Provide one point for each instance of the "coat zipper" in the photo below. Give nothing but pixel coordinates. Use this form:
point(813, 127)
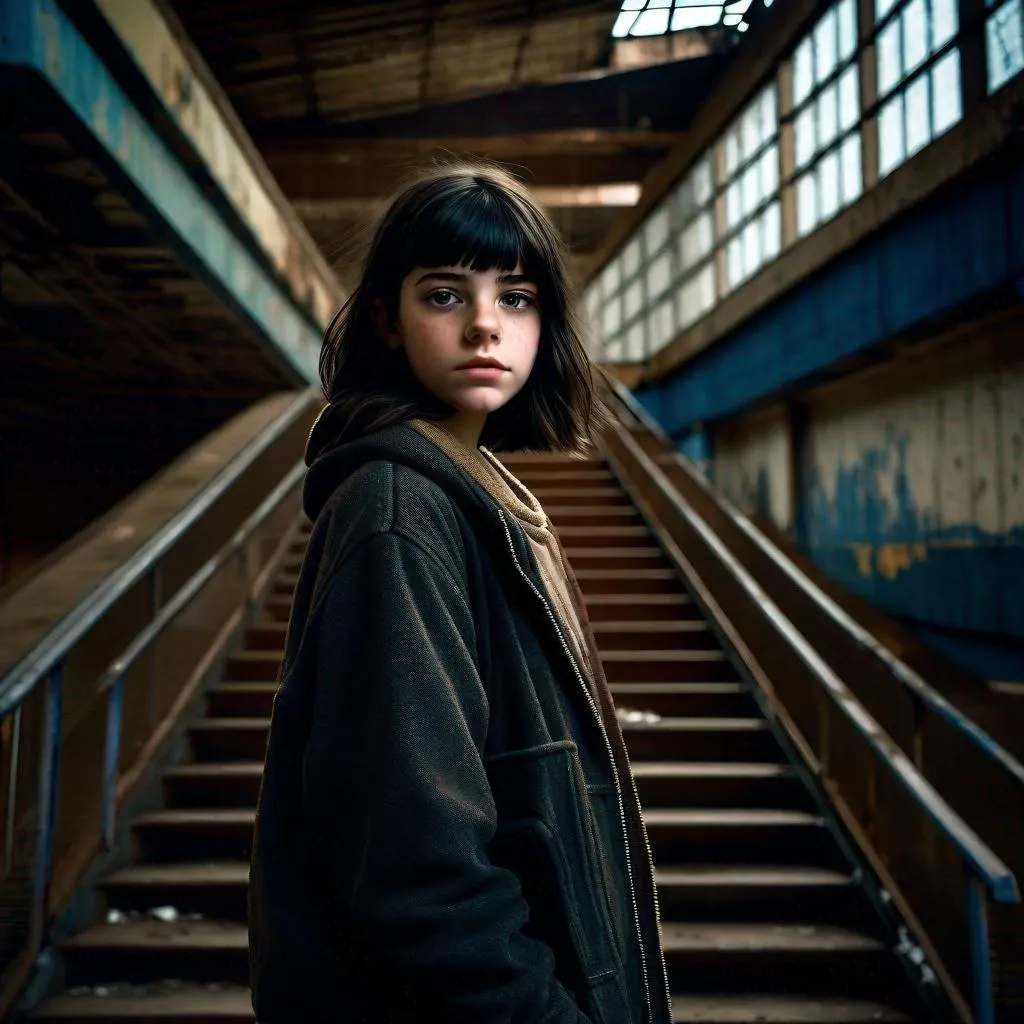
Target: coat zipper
point(615, 773)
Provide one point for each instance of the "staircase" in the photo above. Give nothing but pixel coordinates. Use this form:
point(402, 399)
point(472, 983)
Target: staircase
point(763, 919)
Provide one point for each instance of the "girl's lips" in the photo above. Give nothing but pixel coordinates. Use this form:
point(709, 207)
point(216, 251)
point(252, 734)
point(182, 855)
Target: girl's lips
point(483, 372)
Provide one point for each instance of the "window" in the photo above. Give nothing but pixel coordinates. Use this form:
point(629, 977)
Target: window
point(918, 76)
point(657, 17)
point(695, 244)
point(1004, 42)
point(748, 156)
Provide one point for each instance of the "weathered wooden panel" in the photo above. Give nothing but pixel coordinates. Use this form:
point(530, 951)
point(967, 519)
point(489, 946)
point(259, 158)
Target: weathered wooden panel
point(754, 464)
point(914, 492)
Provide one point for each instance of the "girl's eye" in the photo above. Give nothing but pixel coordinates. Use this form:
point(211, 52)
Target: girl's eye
point(519, 300)
point(442, 297)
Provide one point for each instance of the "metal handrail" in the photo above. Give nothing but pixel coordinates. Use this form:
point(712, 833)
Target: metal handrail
point(35, 666)
point(902, 672)
point(113, 678)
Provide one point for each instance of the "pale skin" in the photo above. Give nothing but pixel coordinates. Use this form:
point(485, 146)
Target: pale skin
point(448, 316)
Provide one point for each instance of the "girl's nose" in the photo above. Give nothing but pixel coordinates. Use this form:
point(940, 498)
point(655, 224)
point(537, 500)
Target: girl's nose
point(483, 323)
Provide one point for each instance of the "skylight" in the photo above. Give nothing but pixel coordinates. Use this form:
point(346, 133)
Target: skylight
point(657, 17)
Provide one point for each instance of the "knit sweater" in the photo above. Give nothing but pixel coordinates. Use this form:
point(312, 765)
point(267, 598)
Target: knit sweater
point(510, 492)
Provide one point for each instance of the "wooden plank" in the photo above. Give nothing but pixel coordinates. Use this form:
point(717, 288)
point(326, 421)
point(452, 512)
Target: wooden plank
point(667, 724)
point(151, 934)
point(726, 817)
point(198, 817)
point(214, 770)
point(718, 937)
point(710, 770)
point(212, 874)
point(746, 1008)
point(180, 1004)
point(718, 875)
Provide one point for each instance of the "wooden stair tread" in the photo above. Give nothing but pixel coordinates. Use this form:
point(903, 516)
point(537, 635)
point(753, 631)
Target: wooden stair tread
point(152, 934)
point(673, 724)
point(714, 875)
point(217, 724)
point(648, 656)
point(179, 1002)
point(641, 626)
point(730, 817)
point(710, 770)
point(727, 937)
point(216, 769)
point(649, 599)
point(754, 1008)
point(188, 817)
point(625, 574)
point(680, 689)
point(189, 873)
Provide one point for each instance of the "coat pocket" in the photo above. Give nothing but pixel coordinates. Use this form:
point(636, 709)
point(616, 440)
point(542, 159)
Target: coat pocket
point(546, 836)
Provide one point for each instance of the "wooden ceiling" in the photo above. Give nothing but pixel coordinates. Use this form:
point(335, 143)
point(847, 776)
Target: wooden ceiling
point(343, 99)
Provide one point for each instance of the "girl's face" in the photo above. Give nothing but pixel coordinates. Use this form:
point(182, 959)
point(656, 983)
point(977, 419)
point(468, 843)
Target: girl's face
point(470, 336)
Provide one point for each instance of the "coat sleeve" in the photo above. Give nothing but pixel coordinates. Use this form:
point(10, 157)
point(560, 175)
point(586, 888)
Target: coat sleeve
point(397, 797)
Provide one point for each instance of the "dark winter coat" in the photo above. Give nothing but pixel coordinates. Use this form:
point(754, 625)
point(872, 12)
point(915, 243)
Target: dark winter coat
point(447, 827)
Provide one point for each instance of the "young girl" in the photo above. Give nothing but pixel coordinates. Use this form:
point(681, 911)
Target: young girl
point(448, 829)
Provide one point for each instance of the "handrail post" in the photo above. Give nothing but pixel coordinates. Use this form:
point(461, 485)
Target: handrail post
point(12, 792)
point(111, 757)
point(49, 771)
point(981, 962)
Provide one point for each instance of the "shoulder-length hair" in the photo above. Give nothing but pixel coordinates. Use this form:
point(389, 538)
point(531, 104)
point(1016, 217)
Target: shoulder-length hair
point(480, 216)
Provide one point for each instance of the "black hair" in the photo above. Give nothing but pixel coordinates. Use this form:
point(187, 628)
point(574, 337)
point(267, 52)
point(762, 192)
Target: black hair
point(480, 216)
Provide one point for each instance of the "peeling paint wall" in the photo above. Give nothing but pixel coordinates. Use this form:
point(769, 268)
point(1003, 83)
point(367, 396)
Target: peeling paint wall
point(754, 464)
point(912, 485)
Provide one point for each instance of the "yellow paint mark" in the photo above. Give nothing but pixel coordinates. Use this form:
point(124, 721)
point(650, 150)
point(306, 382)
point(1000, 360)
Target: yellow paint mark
point(862, 556)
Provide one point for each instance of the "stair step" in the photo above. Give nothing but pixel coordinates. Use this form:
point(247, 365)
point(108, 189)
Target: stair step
point(710, 784)
point(240, 699)
point(148, 950)
point(722, 700)
point(739, 835)
point(213, 784)
point(229, 739)
point(253, 666)
point(701, 739)
point(191, 834)
point(761, 893)
point(558, 478)
point(172, 1002)
point(581, 515)
point(636, 634)
point(650, 557)
point(768, 956)
point(600, 536)
point(590, 497)
point(642, 607)
point(523, 464)
point(769, 1008)
point(266, 636)
point(628, 581)
point(213, 888)
point(704, 665)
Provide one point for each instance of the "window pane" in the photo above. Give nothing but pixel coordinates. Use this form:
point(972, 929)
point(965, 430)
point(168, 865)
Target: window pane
point(882, 7)
point(890, 135)
point(732, 151)
point(825, 53)
point(656, 230)
point(702, 184)
point(631, 258)
point(633, 300)
point(610, 278)
point(946, 102)
point(651, 23)
point(593, 302)
point(915, 35)
point(852, 171)
point(735, 262)
point(733, 205)
point(659, 274)
point(771, 231)
point(706, 287)
point(770, 171)
point(944, 22)
point(751, 188)
point(803, 72)
point(635, 342)
point(613, 351)
point(806, 203)
point(890, 66)
point(687, 308)
point(611, 317)
point(847, 17)
point(828, 186)
point(849, 98)
point(751, 247)
point(1005, 44)
point(828, 116)
point(919, 129)
point(706, 224)
point(751, 127)
point(769, 114)
point(805, 136)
